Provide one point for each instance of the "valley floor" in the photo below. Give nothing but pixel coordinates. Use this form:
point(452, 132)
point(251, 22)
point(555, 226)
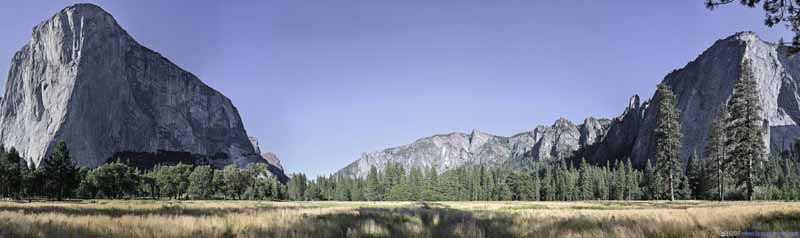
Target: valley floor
point(144, 218)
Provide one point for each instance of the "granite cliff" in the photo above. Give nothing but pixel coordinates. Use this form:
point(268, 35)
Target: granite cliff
point(83, 79)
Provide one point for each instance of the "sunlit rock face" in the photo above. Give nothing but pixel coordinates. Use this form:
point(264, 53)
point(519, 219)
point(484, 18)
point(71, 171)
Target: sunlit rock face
point(269, 157)
point(703, 87)
point(449, 151)
point(82, 79)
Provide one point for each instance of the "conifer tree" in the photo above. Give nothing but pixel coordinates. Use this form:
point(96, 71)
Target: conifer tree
point(696, 176)
point(717, 150)
point(631, 182)
point(648, 181)
point(584, 182)
point(487, 182)
point(431, 192)
point(745, 128)
point(373, 190)
point(668, 137)
point(536, 191)
point(684, 190)
point(12, 173)
point(62, 174)
point(619, 181)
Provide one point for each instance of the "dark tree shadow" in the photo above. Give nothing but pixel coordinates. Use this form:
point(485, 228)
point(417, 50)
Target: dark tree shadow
point(428, 220)
point(164, 210)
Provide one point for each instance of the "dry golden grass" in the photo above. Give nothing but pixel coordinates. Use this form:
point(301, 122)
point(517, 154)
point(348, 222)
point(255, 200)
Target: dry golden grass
point(103, 218)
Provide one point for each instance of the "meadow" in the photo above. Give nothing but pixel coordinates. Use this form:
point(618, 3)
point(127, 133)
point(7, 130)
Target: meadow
point(147, 218)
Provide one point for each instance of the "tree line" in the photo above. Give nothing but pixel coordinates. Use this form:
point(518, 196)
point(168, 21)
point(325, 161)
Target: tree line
point(778, 178)
point(58, 178)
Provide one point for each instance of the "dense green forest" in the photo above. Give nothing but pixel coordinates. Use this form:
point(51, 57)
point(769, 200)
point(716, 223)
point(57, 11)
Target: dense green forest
point(734, 165)
point(776, 178)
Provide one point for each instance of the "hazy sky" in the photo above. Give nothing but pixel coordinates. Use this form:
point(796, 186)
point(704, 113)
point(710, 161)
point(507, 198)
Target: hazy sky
point(320, 82)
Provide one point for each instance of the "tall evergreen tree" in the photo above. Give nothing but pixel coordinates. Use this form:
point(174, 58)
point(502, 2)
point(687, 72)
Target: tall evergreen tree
point(745, 128)
point(297, 187)
point(373, 190)
point(62, 174)
point(648, 181)
point(696, 175)
point(585, 190)
point(620, 181)
point(668, 137)
point(632, 182)
point(716, 151)
point(431, 190)
point(12, 173)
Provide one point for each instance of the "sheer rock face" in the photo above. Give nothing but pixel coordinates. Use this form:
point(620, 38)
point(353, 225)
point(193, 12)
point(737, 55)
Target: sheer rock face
point(454, 150)
point(703, 87)
point(272, 159)
point(81, 78)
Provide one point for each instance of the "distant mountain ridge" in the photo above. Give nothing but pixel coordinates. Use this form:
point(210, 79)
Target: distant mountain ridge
point(454, 150)
point(702, 88)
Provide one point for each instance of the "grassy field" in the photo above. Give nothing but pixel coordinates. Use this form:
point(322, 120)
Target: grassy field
point(141, 218)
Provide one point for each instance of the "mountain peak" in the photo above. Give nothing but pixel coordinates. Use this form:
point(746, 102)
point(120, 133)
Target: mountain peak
point(563, 122)
point(747, 37)
point(85, 7)
point(79, 16)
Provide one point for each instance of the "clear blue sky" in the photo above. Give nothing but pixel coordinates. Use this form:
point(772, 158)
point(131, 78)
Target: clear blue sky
point(320, 82)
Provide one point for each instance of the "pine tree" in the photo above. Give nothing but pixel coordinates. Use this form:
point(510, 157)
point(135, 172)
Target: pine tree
point(745, 128)
point(504, 192)
point(601, 183)
point(12, 168)
point(684, 189)
point(619, 181)
point(431, 189)
point(416, 184)
point(668, 137)
point(649, 183)
point(696, 176)
point(313, 193)
point(716, 150)
point(631, 182)
point(536, 184)
point(548, 187)
point(373, 190)
point(62, 174)
point(297, 187)
point(487, 182)
point(584, 182)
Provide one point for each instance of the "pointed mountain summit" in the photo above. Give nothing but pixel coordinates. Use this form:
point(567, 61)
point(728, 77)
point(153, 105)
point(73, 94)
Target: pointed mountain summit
point(702, 89)
point(705, 85)
point(82, 79)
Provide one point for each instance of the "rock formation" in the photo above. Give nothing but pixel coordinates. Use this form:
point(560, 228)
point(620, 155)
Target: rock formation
point(705, 85)
point(269, 157)
point(458, 149)
point(702, 88)
point(82, 79)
